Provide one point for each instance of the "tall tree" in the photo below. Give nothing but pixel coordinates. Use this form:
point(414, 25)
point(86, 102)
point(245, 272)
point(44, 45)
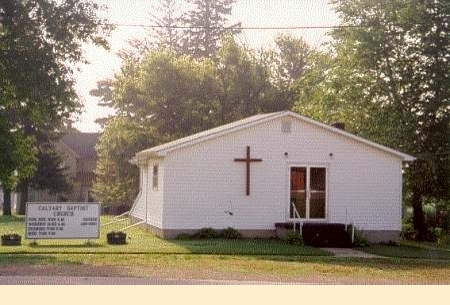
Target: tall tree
point(293, 58)
point(40, 41)
point(178, 92)
point(244, 78)
point(168, 19)
point(117, 181)
point(206, 23)
point(290, 60)
point(165, 96)
point(392, 65)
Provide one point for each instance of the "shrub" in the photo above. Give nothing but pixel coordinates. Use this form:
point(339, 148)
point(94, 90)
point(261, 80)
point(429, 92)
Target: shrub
point(230, 233)
point(442, 240)
point(360, 240)
point(183, 236)
point(206, 233)
point(294, 238)
point(439, 236)
point(408, 231)
point(436, 213)
point(390, 243)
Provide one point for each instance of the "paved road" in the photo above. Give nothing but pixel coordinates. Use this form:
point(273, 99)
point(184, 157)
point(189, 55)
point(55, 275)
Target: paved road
point(72, 280)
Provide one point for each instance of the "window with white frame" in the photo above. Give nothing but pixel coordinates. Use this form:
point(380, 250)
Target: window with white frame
point(155, 177)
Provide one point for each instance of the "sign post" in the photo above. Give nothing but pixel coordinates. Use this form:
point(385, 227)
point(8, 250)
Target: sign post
point(65, 220)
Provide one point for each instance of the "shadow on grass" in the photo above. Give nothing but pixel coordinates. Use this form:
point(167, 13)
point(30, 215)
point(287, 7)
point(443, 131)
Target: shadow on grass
point(61, 246)
point(409, 251)
point(33, 259)
point(11, 218)
point(246, 247)
point(386, 263)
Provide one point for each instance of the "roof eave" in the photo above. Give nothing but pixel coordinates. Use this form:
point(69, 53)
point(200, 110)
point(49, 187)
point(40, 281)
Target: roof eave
point(403, 156)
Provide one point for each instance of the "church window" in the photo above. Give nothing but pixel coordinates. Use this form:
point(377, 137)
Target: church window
point(155, 177)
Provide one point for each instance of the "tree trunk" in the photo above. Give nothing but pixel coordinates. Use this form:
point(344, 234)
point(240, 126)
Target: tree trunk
point(22, 188)
point(418, 216)
point(6, 202)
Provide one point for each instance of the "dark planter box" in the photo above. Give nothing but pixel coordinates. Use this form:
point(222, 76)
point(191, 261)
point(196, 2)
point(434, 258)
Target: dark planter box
point(116, 238)
point(11, 240)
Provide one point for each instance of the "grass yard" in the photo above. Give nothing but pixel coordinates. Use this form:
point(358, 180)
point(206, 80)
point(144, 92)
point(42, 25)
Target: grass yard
point(139, 241)
point(411, 249)
point(306, 269)
point(249, 259)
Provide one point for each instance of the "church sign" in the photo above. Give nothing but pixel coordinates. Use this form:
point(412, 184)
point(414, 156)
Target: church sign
point(53, 220)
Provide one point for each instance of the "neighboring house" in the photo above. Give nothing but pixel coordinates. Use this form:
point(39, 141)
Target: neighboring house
point(80, 159)
point(250, 174)
point(13, 199)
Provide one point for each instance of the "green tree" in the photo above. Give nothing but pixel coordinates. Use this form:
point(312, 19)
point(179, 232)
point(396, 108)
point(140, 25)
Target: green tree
point(207, 23)
point(293, 59)
point(117, 180)
point(332, 90)
point(173, 93)
point(290, 60)
point(390, 70)
point(244, 78)
point(18, 160)
point(165, 96)
point(40, 41)
point(167, 34)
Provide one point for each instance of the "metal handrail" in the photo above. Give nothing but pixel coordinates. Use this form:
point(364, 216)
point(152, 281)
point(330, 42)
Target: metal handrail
point(296, 215)
point(116, 219)
point(138, 197)
point(347, 222)
point(133, 225)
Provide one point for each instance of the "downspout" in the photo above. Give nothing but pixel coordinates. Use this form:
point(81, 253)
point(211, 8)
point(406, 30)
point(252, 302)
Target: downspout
point(146, 193)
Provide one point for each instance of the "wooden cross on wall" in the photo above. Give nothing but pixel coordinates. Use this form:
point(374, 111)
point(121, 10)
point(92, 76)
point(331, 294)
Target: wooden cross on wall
point(247, 160)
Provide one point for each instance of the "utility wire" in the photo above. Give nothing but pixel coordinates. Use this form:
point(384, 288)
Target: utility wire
point(307, 27)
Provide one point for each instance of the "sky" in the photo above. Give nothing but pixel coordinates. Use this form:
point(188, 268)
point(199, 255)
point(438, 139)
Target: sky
point(252, 13)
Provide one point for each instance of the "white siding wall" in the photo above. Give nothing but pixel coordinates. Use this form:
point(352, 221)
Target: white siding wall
point(150, 200)
point(155, 197)
point(138, 209)
point(202, 182)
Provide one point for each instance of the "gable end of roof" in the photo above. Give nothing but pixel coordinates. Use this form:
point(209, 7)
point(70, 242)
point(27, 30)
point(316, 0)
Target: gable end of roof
point(161, 150)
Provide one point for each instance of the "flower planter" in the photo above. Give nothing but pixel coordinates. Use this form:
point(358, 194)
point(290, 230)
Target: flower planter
point(11, 240)
point(116, 238)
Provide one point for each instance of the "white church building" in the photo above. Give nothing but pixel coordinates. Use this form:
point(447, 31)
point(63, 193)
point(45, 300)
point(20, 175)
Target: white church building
point(267, 169)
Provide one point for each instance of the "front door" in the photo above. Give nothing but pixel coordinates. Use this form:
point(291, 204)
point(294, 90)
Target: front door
point(307, 192)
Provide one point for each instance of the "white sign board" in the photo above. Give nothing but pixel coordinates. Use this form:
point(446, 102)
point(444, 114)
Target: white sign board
point(54, 220)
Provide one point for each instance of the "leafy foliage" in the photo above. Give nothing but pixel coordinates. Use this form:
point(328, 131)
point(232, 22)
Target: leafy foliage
point(206, 24)
point(294, 238)
point(39, 43)
point(210, 233)
point(388, 79)
point(167, 34)
point(117, 180)
point(230, 233)
point(206, 233)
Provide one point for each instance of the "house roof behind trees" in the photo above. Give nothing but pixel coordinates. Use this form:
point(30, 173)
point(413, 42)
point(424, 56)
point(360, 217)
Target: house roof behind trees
point(82, 143)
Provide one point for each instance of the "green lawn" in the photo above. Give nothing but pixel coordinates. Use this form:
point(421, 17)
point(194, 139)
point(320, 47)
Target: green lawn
point(249, 259)
point(307, 269)
point(411, 249)
point(140, 241)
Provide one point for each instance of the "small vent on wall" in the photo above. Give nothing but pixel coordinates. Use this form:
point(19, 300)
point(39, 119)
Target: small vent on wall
point(286, 126)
